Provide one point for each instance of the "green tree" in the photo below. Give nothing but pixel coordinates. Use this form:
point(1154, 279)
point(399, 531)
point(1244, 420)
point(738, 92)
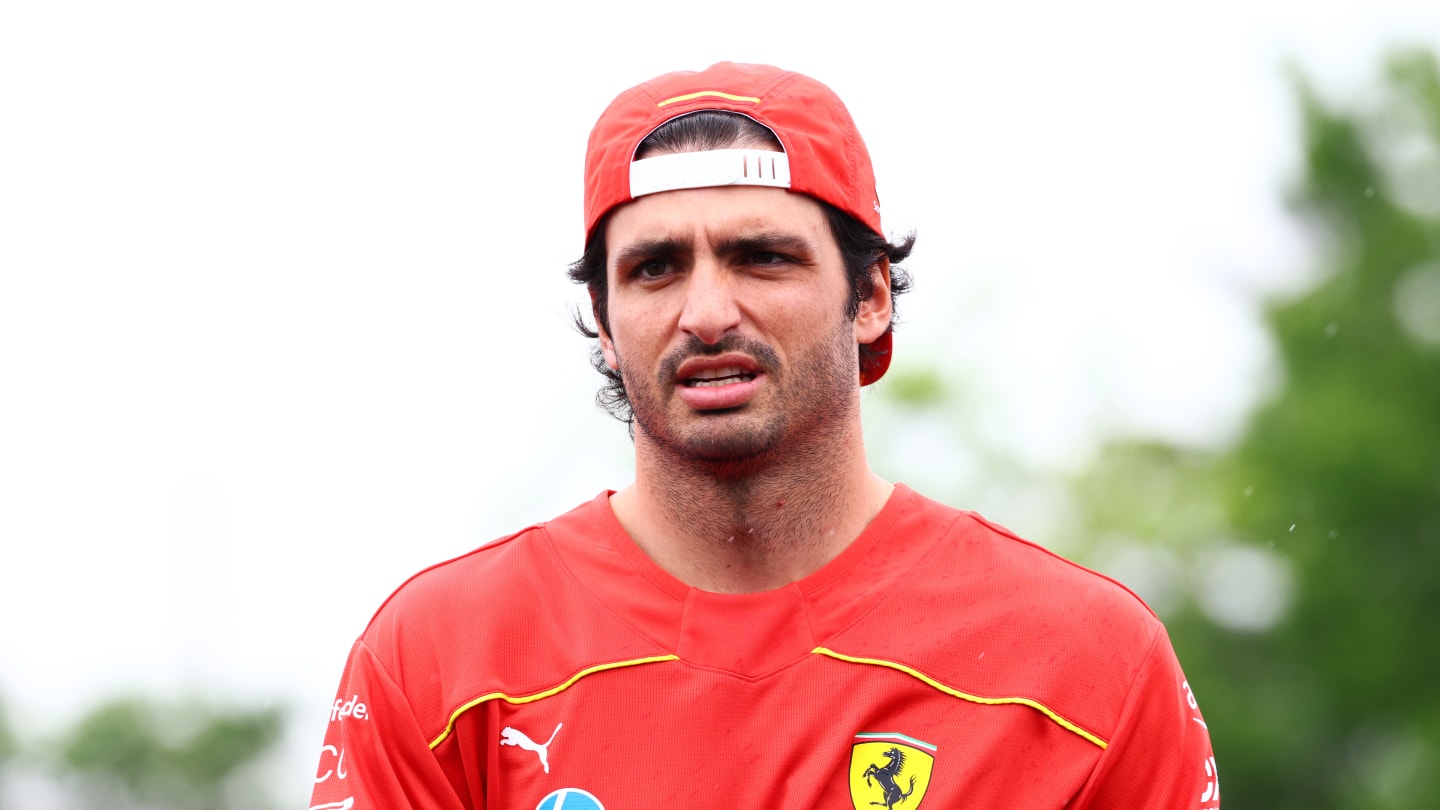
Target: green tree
point(138, 753)
point(1319, 691)
point(9, 747)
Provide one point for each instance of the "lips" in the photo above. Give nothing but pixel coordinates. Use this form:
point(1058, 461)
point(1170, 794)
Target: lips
point(716, 383)
point(705, 369)
point(710, 377)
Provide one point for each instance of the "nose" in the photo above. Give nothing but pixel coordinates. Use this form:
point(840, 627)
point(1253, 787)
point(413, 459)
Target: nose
point(711, 310)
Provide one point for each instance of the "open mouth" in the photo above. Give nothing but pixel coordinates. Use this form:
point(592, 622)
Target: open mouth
point(718, 376)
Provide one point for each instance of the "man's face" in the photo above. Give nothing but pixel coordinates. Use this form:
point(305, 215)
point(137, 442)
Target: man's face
point(727, 320)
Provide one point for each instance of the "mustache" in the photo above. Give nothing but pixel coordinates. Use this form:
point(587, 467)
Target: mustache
point(762, 354)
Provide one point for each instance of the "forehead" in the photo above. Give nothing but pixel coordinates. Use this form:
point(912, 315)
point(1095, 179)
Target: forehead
point(711, 213)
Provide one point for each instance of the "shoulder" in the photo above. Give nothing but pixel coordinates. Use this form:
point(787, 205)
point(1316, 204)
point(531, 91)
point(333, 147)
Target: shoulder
point(1000, 616)
point(511, 576)
point(1015, 584)
point(509, 616)
point(473, 600)
point(983, 569)
point(442, 589)
point(1054, 593)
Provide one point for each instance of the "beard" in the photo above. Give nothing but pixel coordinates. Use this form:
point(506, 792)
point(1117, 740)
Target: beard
point(794, 414)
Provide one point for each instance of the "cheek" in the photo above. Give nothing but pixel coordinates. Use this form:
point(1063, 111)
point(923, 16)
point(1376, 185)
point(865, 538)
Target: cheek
point(637, 320)
point(632, 338)
point(812, 317)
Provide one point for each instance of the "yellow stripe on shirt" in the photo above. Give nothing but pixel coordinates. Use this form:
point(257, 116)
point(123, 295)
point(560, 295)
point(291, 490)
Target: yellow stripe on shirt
point(986, 701)
point(455, 715)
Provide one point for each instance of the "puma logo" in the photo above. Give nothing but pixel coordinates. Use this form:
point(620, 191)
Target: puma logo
point(512, 736)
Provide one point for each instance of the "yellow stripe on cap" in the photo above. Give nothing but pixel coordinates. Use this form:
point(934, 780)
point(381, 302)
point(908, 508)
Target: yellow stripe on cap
point(984, 701)
point(703, 93)
point(455, 715)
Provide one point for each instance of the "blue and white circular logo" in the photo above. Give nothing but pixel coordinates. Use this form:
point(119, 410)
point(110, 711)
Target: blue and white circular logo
point(569, 799)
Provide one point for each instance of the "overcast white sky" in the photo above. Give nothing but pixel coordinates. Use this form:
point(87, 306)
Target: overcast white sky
point(283, 312)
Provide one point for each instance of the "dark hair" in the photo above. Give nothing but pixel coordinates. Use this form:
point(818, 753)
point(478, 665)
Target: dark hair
point(860, 247)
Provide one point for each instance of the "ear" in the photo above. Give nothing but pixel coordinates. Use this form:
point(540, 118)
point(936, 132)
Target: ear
point(873, 318)
point(607, 346)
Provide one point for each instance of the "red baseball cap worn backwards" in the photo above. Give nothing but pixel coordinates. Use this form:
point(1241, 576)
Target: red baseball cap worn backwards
point(824, 155)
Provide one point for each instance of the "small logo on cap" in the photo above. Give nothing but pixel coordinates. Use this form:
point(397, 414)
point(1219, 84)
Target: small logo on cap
point(708, 94)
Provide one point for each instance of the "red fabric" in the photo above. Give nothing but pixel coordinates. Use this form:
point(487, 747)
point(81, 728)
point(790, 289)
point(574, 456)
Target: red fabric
point(828, 159)
point(755, 700)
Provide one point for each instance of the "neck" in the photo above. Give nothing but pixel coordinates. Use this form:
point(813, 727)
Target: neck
point(751, 527)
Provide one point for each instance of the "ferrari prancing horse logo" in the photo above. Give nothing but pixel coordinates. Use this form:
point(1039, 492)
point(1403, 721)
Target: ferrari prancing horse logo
point(889, 770)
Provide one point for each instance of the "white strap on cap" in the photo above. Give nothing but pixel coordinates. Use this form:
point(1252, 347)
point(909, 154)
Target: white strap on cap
point(719, 167)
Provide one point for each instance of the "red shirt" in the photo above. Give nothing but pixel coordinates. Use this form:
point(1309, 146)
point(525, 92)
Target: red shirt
point(938, 662)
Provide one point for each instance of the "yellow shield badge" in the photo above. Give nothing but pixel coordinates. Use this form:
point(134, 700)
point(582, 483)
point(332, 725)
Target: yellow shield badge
point(889, 770)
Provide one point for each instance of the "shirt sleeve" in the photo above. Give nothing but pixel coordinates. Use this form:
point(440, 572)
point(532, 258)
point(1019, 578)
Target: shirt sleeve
point(375, 755)
point(1160, 755)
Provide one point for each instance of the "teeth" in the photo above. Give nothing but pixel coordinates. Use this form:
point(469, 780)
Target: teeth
point(716, 373)
point(714, 377)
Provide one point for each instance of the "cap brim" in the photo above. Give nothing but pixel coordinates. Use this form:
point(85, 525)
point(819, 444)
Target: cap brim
point(874, 363)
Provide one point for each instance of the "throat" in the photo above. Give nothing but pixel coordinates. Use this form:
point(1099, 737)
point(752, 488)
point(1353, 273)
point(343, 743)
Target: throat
point(750, 535)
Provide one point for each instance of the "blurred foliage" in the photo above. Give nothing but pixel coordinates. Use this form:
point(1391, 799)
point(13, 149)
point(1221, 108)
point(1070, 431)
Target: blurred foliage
point(915, 387)
point(168, 756)
point(136, 753)
point(9, 747)
point(8, 744)
point(1305, 575)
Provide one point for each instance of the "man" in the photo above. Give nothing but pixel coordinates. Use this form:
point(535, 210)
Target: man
point(758, 620)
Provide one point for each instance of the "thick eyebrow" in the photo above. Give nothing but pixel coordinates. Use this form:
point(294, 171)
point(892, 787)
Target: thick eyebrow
point(780, 242)
point(776, 242)
point(650, 248)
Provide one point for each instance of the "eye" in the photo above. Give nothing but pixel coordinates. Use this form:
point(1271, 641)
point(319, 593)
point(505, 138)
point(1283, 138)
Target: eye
point(767, 258)
point(651, 268)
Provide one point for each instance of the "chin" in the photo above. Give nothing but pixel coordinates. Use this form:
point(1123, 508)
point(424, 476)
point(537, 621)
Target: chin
point(718, 441)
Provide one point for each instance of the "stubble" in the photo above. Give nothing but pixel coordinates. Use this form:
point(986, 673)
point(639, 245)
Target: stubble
point(724, 474)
